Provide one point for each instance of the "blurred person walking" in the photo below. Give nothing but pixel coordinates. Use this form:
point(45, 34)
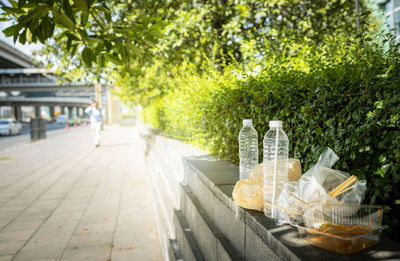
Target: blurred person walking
point(95, 121)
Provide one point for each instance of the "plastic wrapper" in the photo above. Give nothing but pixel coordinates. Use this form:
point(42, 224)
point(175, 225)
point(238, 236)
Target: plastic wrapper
point(248, 193)
point(343, 228)
point(313, 188)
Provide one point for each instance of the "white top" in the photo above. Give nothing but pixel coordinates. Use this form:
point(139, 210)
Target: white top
point(248, 122)
point(275, 124)
point(95, 114)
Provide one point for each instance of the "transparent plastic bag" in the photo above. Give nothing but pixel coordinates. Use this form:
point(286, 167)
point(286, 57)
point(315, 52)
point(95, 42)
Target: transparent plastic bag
point(314, 187)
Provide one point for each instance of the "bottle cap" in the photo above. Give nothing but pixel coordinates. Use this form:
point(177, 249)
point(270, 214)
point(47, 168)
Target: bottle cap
point(275, 124)
point(247, 122)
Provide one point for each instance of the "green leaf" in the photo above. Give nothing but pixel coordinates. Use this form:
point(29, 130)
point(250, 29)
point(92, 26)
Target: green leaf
point(48, 27)
point(15, 37)
point(45, 28)
point(133, 49)
point(9, 31)
point(82, 33)
point(21, 3)
point(157, 34)
point(68, 10)
point(13, 10)
point(37, 13)
point(108, 45)
point(29, 36)
point(99, 48)
point(22, 37)
point(380, 181)
point(73, 37)
point(82, 5)
point(74, 48)
point(114, 59)
point(94, 39)
point(52, 26)
point(63, 19)
point(88, 56)
point(124, 54)
point(39, 33)
point(101, 60)
point(84, 18)
point(69, 42)
point(149, 43)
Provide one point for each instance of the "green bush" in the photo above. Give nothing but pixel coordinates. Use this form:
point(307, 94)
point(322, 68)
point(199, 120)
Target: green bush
point(345, 96)
point(152, 114)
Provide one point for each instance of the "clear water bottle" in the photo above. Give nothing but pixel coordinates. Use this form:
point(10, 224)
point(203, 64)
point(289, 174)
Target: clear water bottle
point(275, 165)
point(248, 149)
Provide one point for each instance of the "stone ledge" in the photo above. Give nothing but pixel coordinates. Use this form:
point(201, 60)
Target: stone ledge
point(220, 177)
point(251, 235)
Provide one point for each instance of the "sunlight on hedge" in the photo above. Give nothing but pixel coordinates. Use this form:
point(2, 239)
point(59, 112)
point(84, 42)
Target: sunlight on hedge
point(344, 96)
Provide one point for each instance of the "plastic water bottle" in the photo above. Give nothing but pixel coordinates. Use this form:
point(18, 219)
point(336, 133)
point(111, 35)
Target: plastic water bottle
point(248, 149)
point(275, 165)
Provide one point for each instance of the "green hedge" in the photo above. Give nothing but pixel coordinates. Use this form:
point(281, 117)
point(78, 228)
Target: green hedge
point(345, 96)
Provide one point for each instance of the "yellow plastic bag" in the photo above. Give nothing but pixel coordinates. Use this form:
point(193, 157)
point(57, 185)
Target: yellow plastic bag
point(248, 193)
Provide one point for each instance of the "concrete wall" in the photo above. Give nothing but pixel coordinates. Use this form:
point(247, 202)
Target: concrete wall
point(197, 218)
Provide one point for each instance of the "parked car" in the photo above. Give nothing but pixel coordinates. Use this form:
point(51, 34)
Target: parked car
point(62, 119)
point(9, 127)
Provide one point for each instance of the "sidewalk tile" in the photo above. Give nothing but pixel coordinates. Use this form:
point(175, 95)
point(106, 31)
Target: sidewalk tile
point(10, 248)
point(94, 253)
point(6, 258)
point(10, 236)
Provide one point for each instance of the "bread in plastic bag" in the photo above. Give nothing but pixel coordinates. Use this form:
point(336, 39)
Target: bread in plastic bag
point(248, 193)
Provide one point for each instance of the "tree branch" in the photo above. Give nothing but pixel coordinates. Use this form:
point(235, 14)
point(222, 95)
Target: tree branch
point(97, 21)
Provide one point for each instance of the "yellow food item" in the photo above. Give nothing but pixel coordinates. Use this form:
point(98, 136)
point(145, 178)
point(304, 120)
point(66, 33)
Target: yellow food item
point(341, 230)
point(248, 193)
point(340, 239)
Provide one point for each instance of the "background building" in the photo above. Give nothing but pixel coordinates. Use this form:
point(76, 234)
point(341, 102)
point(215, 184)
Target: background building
point(391, 10)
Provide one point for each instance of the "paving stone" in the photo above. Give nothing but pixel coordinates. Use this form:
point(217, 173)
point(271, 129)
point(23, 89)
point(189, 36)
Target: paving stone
point(48, 242)
point(33, 215)
point(98, 225)
point(8, 236)
point(18, 225)
point(37, 254)
point(71, 208)
point(67, 205)
point(13, 208)
point(60, 217)
point(92, 253)
point(129, 254)
point(7, 216)
point(6, 258)
point(125, 255)
point(86, 239)
point(9, 248)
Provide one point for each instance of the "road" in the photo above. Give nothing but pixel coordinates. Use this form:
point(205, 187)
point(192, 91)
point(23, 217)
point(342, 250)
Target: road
point(9, 142)
point(26, 130)
point(64, 199)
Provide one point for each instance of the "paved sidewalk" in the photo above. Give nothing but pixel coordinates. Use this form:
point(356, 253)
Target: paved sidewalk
point(64, 199)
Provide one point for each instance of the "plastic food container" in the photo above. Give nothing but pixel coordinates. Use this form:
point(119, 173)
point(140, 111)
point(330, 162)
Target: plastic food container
point(340, 244)
point(342, 228)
